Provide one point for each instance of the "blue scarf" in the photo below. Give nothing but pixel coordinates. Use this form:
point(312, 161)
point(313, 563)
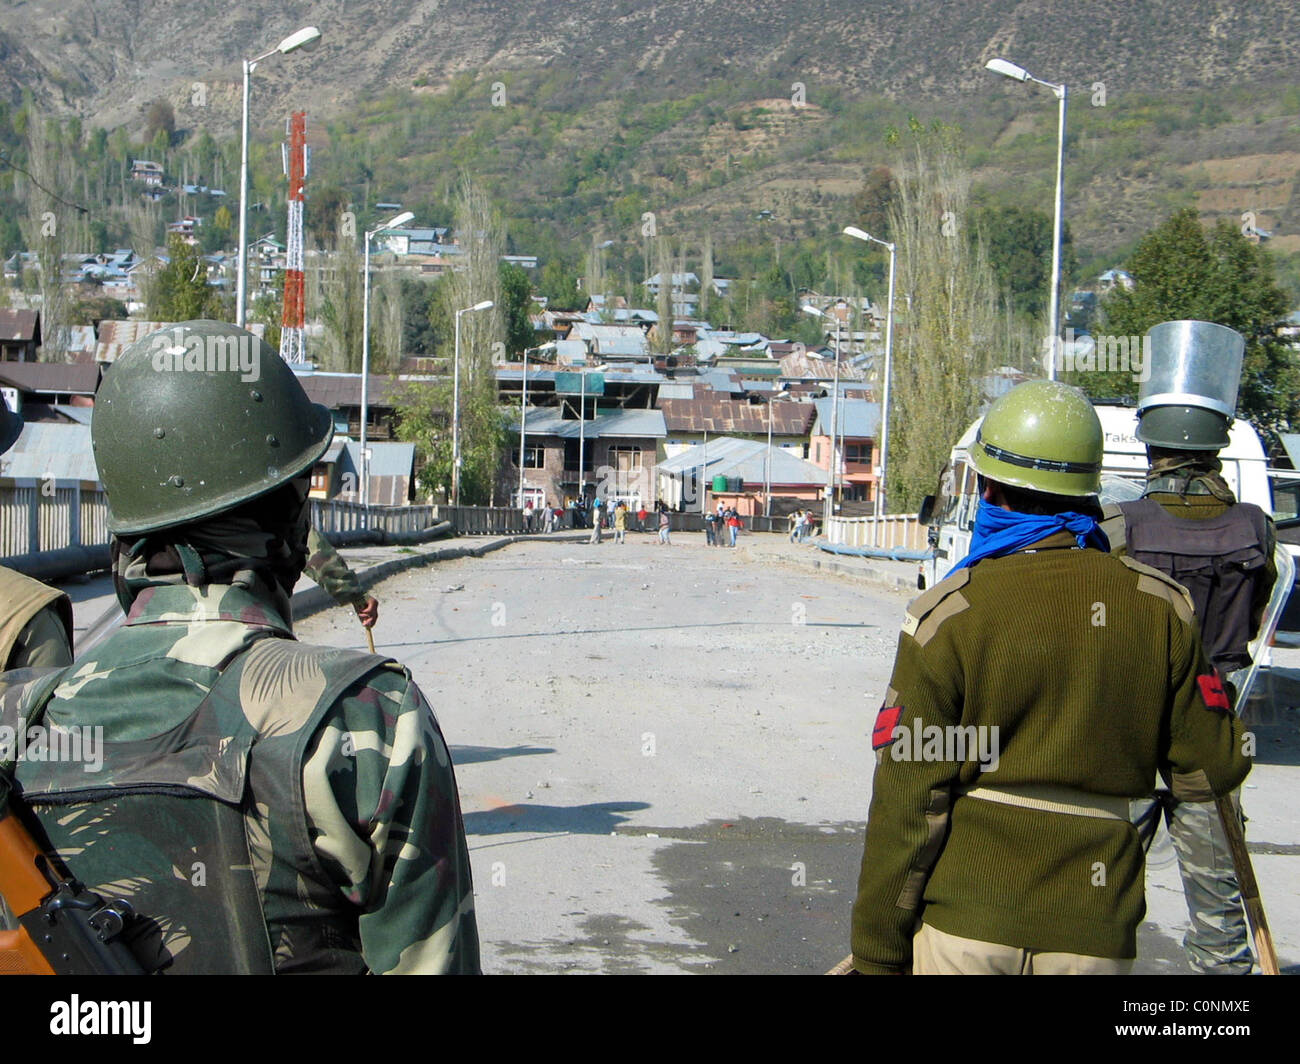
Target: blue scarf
point(999, 532)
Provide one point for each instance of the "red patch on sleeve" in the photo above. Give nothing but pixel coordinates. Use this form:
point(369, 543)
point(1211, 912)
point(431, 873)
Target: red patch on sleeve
point(1213, 693)
point(886, 721)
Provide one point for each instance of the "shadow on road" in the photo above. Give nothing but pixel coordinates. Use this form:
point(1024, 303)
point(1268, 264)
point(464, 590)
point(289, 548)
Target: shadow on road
point(598, 819)
point(472, 755)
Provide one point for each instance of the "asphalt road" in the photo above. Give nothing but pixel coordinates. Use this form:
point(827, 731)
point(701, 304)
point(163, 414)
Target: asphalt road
point(664, 761)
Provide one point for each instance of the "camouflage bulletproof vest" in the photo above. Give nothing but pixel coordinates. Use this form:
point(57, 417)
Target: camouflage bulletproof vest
point(1219, 560)
point(173, 823)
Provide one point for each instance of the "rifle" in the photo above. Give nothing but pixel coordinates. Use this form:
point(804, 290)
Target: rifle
point(1263, 938)
point(63, 928)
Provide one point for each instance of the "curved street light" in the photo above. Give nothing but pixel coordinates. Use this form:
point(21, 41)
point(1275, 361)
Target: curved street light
point(305, 39)
point(1011, 70)
point(859, 234)
point(392, 223)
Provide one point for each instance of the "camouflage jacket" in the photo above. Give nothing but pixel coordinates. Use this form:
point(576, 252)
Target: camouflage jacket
point(332, 759)
point(326, 566)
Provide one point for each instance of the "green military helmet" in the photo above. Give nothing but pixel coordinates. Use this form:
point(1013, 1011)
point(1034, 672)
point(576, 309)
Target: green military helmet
point(195, 419)
point(1183, 428)
point(1043, 436)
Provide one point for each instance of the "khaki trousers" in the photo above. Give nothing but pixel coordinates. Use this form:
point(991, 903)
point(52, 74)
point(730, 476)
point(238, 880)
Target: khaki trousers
point(936, 952)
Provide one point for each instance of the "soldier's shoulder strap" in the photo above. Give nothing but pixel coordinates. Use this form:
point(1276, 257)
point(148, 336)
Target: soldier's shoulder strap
point(928, 611)
point(1115, 527)
point(1152, 581)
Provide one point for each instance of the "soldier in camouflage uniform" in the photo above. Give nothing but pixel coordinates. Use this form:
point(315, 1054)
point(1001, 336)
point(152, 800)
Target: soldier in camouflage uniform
point(326, 566)
point(1190, 526)
point(263, 805)
point(36, 628)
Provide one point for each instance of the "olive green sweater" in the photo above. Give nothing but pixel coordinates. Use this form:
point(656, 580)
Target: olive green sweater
point(1091, 670)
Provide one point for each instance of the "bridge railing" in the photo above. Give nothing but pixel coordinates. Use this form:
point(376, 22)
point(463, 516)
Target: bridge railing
point(48, 513)
point(887, 532)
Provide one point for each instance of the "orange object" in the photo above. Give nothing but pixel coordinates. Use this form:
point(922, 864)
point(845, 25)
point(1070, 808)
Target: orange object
point(24, 887)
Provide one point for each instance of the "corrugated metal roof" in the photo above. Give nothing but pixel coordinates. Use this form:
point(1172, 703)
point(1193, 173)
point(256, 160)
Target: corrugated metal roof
point(117, 334)
point(338, 390)
point(747, 459)
point(722, 415)
point(858, 419)
point(81, 415)
point(50, 449)
point(51, 378)
point(18, 325)
point(676, 390)
point(546, 421)
point(386, 459)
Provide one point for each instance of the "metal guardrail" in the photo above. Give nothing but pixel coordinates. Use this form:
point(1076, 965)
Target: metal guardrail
point(47, 513)
point(342, 518)
point(337, 516)
point(887, 532)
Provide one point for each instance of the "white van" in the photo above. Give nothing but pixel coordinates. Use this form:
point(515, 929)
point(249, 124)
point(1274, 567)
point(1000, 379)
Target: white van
point(951, 514)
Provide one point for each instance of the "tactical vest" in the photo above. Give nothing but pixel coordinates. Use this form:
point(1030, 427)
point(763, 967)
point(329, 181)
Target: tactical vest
point(174, 823)
point(23, 599)
point(1220, 561)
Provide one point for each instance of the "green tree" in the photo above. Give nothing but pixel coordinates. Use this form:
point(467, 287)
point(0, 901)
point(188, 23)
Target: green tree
point(559, 284)
point(420, 336)
point(180, 289)
point(95, 309)
point(517, 303)
point(268, 310)
point(159, 118)
point(338, 294)
point(1019, 245)
point(872, 202)
point(951, 326)
point(1181, 271)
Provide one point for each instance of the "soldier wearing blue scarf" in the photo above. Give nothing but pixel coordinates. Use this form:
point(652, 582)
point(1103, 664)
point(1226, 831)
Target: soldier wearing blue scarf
point(1050, 681)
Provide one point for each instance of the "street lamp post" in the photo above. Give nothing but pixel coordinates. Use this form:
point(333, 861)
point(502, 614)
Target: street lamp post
point(455, 404)
point(306, 38)
point(767, 464)
point(1018, 73)
point(828, 506)
point(523, 421)
point(392, 223)
point(859, 234)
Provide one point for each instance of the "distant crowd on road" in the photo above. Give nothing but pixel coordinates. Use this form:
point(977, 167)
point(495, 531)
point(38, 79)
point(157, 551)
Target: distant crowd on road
point(722, 525)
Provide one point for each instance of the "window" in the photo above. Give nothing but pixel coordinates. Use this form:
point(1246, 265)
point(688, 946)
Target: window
point(624, 457)
point(534, 457)
point(858, 452)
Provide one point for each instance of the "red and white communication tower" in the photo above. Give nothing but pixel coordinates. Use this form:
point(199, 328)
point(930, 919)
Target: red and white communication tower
point(297, 164)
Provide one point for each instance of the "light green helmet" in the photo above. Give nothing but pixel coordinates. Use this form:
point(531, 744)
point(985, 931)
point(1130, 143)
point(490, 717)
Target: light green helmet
point(1043, 436)
point(194, 420)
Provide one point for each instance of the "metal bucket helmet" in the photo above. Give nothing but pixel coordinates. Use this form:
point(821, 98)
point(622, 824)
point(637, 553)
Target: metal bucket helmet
point(1189, 398)
point(194, 420)
point(1042, 436)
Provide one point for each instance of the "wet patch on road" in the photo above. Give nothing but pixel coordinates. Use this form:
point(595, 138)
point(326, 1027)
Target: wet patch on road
point(761, 896)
